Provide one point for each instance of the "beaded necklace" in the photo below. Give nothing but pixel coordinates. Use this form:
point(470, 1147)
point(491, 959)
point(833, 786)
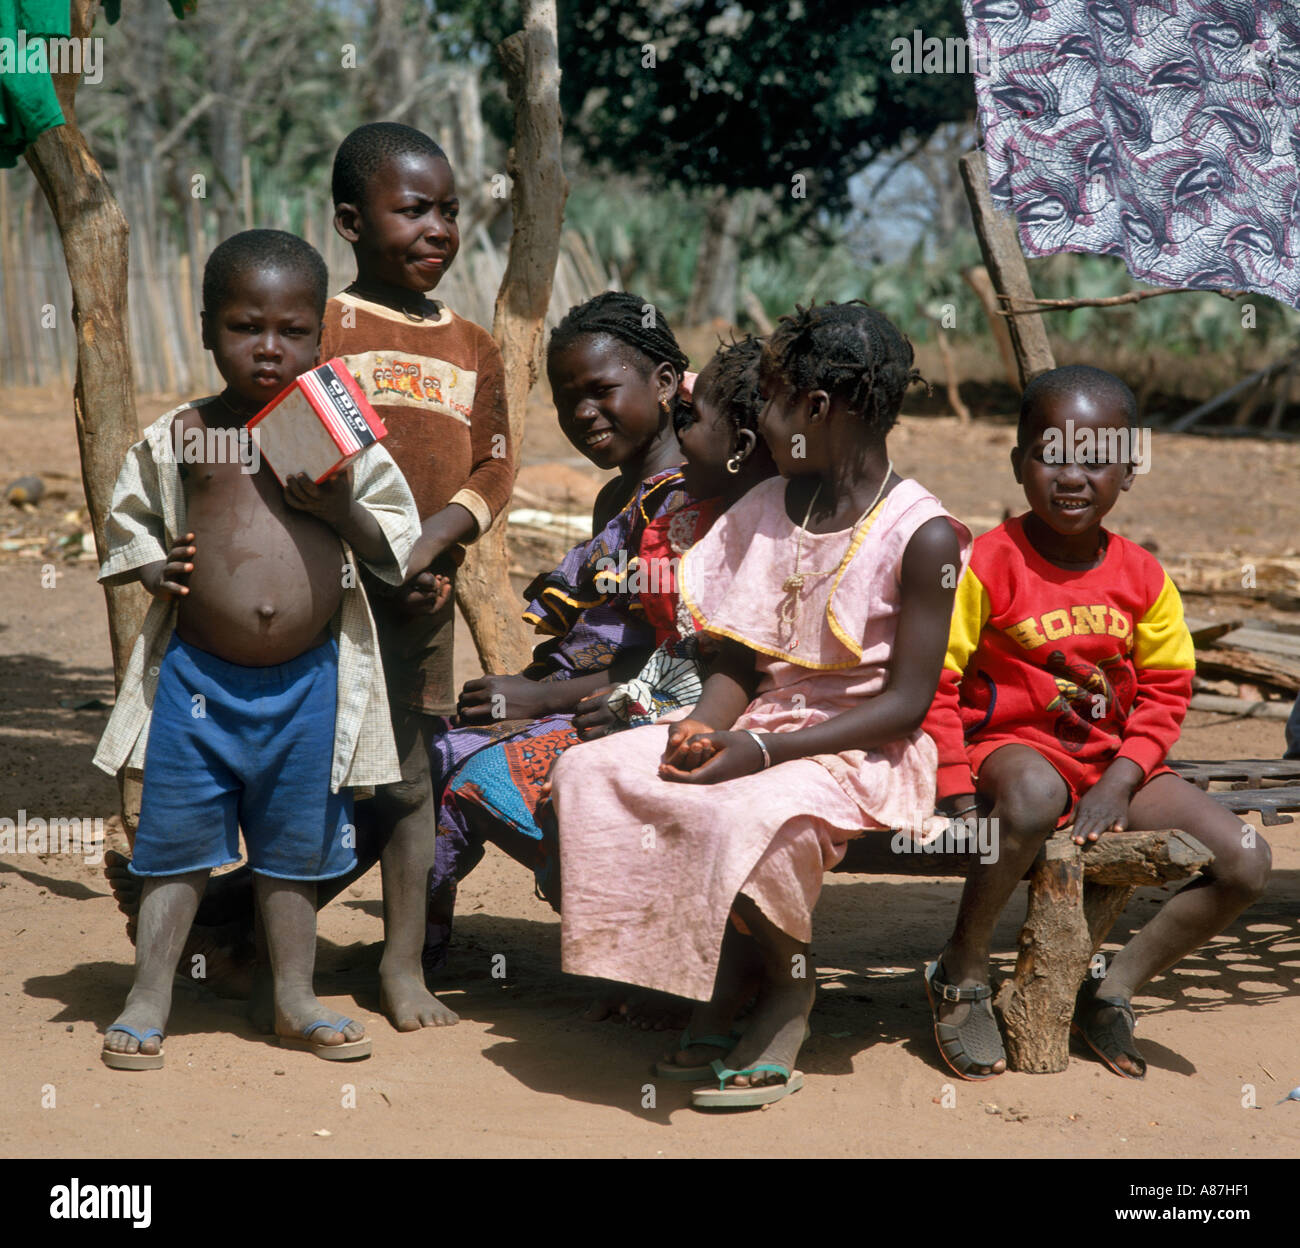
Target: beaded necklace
point(791, 607)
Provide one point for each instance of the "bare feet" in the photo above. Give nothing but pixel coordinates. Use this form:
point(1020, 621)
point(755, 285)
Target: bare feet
point(639, 1008)
point(409, 1004)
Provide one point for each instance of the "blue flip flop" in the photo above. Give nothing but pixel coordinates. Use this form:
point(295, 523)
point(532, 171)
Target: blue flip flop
point(132, 1061)
point(696, 1074)
point(723, 1097)
point(348, 1051)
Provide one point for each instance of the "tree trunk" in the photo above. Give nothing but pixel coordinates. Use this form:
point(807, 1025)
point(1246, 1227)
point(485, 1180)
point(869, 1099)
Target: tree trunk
point(717, 267)
point(94, 235)
point(531, 64)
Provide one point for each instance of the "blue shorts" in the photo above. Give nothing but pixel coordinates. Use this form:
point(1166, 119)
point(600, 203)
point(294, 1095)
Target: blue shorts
point(249, 747)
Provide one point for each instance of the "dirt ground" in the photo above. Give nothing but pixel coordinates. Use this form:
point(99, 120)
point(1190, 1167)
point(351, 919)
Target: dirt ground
point(523, 1075)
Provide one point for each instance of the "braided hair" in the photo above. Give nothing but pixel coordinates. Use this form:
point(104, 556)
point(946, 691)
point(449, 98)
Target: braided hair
point(628, 319)
point(729, 382)
point(850, 350)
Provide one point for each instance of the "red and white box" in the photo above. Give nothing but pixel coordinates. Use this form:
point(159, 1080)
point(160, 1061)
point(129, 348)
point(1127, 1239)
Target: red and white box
point(320, 424)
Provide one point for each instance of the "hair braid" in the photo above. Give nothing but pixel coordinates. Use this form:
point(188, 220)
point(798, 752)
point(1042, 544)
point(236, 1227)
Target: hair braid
point(634, 321)
point(850, 350)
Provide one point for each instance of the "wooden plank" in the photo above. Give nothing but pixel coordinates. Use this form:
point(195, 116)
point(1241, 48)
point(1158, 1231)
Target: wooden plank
point(1218, 662)
point(1270, 803)
point(1119, 858)
point(1205, 631)
point(1250, 708)
point(1263, 640)
point(1000, 247)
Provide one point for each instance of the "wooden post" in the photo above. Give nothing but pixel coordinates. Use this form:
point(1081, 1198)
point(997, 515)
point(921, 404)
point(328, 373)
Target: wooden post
point(1038, 1004)
point(94, 235)
point(530, 60)
point(1005, 262)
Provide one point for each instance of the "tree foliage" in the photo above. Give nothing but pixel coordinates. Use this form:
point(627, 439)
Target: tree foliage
point(744, 95)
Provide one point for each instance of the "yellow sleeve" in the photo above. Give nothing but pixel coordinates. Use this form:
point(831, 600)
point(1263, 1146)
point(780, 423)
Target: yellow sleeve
point(970, 612)
point(1161, 638)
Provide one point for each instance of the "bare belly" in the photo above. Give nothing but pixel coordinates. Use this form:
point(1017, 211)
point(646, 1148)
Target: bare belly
point(267, 579)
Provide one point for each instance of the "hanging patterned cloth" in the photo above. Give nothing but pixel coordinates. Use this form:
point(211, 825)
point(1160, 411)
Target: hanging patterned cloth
point(1163, 131)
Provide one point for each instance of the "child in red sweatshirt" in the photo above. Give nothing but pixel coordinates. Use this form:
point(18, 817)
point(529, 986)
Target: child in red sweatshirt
point(1068, 674)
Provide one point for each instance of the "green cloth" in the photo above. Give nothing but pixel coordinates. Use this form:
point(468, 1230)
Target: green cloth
point(28, 104)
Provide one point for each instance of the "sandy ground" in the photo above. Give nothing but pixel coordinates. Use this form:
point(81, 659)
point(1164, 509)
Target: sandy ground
point(523, 1075)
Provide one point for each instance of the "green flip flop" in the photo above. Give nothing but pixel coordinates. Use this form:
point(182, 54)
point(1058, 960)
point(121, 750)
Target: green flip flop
point(696, 1074)
point(723, 1097)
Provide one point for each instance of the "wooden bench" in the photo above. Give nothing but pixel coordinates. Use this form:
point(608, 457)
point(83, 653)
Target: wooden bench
point(1075, 896)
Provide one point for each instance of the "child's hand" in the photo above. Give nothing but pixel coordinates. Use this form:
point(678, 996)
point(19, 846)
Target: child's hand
point(330, 501)
point(680, 732)
point(710, 758)
point(424, 594)
point(1103, 808)
point(167, 579)
point(491, 698)
point(592, 717)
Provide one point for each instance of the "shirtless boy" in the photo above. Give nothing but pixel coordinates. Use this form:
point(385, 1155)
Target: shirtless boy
point(437, 382)
point(254, 697)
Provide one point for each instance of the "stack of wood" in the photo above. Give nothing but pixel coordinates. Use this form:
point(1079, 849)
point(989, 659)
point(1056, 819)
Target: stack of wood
point(1246, 668)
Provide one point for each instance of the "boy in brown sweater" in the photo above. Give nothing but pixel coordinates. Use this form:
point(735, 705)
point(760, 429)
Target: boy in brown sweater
point(437, 382)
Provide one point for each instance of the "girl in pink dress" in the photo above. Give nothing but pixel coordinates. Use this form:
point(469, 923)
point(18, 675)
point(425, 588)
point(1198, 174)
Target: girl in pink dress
point(692, 853)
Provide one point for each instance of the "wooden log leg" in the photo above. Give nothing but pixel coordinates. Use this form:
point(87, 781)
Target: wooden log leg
point(1102, 905)
point(1038, 1004)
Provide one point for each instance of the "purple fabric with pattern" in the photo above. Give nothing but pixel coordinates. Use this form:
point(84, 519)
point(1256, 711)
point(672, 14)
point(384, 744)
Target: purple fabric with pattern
point(589, 628)
point(1163, 131)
